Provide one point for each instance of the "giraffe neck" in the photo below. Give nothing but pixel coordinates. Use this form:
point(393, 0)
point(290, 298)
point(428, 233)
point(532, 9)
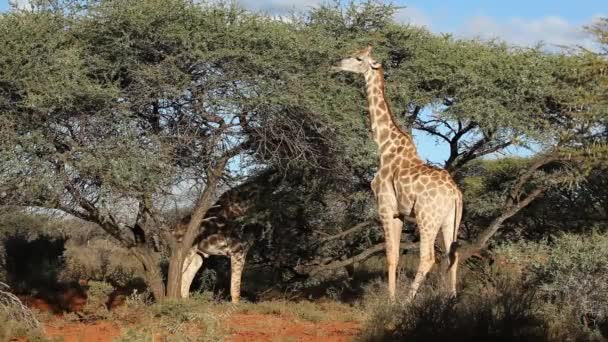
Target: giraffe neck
point(386, 132)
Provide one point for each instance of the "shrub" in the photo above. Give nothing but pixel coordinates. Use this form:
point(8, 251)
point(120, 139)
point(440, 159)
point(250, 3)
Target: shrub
point(194, 319)
point(98, 297)
point(534, 291)
point(101, 260)
point(576, 276)
point(500, 312)
point(11, 330)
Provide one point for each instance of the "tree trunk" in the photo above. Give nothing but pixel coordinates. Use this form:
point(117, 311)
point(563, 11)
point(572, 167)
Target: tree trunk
point(174, 278)
point(157, 285)
point(204, 202)
point(152, 271)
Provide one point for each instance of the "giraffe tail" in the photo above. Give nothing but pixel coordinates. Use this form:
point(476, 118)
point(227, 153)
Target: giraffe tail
point(453, 253)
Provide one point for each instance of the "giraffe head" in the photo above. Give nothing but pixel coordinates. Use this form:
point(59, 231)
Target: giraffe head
point(360, 62)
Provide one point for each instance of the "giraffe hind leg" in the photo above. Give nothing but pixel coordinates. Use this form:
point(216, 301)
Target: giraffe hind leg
point(428, 233)
point(237, 263)
point(450, 246)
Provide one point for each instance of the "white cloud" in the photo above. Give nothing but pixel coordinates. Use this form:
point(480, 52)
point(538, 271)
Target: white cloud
point(551, 30)
point(21, 4)
point(279, 6)
point(413, 16)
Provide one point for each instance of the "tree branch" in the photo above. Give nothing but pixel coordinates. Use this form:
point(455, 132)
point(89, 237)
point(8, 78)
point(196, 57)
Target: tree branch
point(467, 157)
point(482, 241)
point(355, 228)
point(513, 204)
point(205, 201)
point(357, 258)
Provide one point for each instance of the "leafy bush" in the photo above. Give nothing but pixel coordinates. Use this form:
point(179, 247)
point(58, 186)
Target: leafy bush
point(534, 291)
point(101, 260)
point(194, 319)
point(572, 275)
point(98, 297)
point(502, 312)
point(11, 330)
point(576, 274)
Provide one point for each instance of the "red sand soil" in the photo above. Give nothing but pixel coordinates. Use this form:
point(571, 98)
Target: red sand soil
point(79, 332)
point(240, 327)
point(257, 327)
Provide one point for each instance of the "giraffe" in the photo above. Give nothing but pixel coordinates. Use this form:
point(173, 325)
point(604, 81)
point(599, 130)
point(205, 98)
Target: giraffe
point(405, 185)
point(223, 243)
point(221, 234)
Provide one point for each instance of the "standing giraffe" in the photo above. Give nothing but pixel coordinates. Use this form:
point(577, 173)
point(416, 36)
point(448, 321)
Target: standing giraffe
point(404, 185)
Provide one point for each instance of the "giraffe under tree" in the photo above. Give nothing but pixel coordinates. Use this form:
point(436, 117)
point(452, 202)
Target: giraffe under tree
point(223, 234)
point(404, 185)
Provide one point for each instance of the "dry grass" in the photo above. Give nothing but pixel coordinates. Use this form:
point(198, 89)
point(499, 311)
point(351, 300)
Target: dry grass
point(11, 329)
point(525, 296)
point(305, 310)
point(195, 319)
point(202, 318)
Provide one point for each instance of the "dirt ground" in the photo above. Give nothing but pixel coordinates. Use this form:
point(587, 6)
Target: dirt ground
point(79, 332)
point(257, 327)
point(240, 327)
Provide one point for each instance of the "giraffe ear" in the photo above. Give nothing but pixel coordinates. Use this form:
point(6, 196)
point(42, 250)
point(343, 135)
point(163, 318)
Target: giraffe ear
point(368, 50)
point(374, 64)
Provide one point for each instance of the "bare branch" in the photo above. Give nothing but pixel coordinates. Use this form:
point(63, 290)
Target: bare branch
point(353, 229)
point(513, 203)
point(432, 131)
point(482, 241)
point(357, 258)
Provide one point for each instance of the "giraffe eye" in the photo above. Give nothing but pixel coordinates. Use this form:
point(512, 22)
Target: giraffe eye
point(358, 59)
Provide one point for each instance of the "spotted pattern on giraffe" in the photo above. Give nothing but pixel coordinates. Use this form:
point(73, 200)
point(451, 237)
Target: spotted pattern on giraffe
point(404, 184)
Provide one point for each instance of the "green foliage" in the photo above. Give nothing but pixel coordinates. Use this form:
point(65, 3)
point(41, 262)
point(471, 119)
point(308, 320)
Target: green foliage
point(570, 274)
point(500, 312)
point(502, 307)
point(11, 330)
point(576, 272)
point(183, 320)
point(540, 291)
point(486, 182)
point(101, 260)
point(29, 241)
point(98, 297)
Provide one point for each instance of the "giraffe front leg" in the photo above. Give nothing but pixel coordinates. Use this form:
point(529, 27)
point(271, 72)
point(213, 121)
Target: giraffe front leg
point(237, 263)
point(192, 263)
point(392, 236)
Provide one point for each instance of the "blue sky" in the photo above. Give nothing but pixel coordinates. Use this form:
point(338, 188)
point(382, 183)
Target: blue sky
point(516, 21)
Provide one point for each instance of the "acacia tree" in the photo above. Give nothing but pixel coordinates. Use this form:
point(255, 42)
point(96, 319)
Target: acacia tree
point(108, 106)
point(480, 98)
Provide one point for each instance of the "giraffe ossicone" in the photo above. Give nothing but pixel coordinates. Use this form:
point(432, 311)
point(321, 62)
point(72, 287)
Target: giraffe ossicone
point(405, 185)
